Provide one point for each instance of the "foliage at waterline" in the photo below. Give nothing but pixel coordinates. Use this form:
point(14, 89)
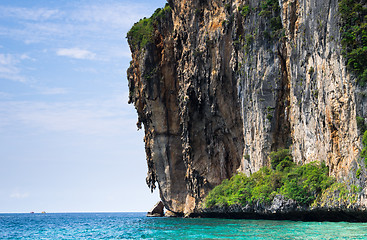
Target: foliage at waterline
point(305, 184)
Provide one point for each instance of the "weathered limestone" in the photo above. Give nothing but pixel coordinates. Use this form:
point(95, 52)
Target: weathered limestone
point(218, 90)
point(157, 210)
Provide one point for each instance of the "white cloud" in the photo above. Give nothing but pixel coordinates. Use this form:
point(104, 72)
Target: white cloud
point(35, 14)
point(9, 69)
point(26, 57)
point(86, 70)
point(53, 91)
point(19, 195)
point(103, 118)
point(76, 53)
point(115, 14)
point(100, 24)
point(4, 95)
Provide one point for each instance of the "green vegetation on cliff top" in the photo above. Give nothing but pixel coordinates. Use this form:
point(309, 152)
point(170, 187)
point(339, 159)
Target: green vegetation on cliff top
point(307, 184)
point(354, 37)
point(142, 32)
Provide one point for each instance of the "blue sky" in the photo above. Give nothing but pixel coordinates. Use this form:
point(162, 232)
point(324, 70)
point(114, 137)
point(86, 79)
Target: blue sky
point(68, 139)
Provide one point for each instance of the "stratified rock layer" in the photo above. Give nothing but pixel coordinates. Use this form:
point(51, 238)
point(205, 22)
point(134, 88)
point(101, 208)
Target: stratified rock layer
point(218, 88)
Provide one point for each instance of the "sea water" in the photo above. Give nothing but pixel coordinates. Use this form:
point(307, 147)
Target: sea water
point(138, 226)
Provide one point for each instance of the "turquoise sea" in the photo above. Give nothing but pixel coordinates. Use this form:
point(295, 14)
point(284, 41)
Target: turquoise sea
point(137, 226)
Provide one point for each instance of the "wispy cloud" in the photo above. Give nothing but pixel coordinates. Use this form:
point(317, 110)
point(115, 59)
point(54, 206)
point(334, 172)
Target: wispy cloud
point(9, 69)
point(86, 70)
point(19, 195)
point(116, 14)
point(52, 91)
point(105, 23)
point(103, 118)
point(33, 14)
point(26, 57)
point(5, 95)
point(76, 53)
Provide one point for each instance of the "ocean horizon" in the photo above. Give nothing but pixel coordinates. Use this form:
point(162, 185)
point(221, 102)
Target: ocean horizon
point(135, 225)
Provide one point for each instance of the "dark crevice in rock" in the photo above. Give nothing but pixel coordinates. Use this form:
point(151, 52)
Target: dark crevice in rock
point(292, 17)
point(282, 132)
point(151, 178)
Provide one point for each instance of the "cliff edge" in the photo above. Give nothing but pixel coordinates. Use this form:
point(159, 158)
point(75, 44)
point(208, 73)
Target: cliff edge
point(218, 85)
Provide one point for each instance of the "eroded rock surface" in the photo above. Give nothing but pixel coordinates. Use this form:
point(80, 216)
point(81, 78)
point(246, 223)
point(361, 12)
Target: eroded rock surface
point(219, 87)
point(282, 208)
point(157, 210)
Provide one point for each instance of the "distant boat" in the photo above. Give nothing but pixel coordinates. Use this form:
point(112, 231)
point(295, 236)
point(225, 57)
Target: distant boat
point(43, 212)
point(31, 212)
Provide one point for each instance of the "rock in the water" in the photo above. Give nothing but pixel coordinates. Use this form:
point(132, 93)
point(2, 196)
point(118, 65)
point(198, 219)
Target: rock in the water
point(157, 210)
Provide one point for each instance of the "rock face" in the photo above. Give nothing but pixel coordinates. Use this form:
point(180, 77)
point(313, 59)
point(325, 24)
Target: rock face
point(221, 84)
point(282, 208)
point(157, 210)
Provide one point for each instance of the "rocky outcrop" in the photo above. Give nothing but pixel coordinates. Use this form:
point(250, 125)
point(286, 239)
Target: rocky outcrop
point(157, 210)
point(221, 84)
point(282, 208)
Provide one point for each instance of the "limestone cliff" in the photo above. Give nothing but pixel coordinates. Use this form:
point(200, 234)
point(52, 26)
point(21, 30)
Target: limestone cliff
point(219, 84)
